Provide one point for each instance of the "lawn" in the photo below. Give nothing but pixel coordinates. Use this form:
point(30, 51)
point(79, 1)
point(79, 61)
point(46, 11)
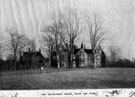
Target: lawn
point(77, 79)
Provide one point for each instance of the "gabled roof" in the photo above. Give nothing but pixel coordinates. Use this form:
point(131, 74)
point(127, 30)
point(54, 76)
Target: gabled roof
point(64, 49)
point(103, 54)
point(26, 54)
point(76, 51)
point(30, 54)
point(88, 51)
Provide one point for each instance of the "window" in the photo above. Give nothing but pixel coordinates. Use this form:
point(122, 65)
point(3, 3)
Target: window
point(81, 59)
point(81, 56)
point(98, 57)
point(63, 57)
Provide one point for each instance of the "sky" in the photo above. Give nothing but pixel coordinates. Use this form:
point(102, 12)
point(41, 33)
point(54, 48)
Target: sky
point(30, 16)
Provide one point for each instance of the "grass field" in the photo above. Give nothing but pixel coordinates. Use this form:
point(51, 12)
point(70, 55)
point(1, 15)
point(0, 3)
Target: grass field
point(78, 79)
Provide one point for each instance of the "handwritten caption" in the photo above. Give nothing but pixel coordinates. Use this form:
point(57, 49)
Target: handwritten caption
point(69, 93)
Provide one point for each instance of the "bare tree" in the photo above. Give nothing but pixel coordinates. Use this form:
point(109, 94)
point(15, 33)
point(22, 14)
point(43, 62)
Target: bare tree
point(47, 43)
point(16, 43)
point(1, 47)
point(63, 30)
point(32, 44)
point(96, 32)
point(54, 37)
point(72, 29)
point(55, 29)
point(115, 53)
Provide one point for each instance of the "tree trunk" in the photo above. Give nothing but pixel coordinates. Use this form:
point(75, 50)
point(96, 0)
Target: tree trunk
point(69, 60)
point(71, 54)
point(58, 59)
point(95, 61)
point(14, 61)
point(50, 55)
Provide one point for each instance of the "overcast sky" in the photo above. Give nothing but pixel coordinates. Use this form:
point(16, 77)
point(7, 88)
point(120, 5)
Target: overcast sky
point(118, 16)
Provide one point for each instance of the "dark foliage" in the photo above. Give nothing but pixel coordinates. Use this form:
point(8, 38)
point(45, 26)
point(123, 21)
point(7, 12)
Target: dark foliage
point(46, 59)
point(54, 62)
point(6, 65)
point(121, 63)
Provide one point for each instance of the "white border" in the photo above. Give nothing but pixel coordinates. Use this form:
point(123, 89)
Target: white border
point(69, 93)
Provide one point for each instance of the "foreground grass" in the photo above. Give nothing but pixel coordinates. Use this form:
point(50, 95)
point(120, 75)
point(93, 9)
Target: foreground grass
point(79, 79)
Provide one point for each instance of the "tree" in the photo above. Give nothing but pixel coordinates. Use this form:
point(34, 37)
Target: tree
point(54, 37)
point(16, 43)
point(1, 47)
point(115, 54)
point(56, 30)
point(32, 44)
point(63, 30)
point(72, 29)
point(96, 32)
point(47, 43)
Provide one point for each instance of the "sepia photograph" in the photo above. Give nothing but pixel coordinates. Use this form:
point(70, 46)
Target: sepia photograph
point(67, 44)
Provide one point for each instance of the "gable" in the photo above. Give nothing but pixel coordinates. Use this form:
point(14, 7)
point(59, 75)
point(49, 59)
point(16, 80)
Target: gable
point(64, 51)
point(38, 54)
point(76, 51)
point(28, 55)
point(81, 51)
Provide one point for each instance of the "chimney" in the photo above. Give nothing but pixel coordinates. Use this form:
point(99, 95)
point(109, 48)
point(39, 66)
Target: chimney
point(40, 50)
point(20, 53)
point(82, 45)
point(66, 45)
point(62, 47)
point(29, 49)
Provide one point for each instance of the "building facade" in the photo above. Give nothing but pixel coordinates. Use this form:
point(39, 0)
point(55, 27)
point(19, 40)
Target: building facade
point(31, 59)
point(83, 57)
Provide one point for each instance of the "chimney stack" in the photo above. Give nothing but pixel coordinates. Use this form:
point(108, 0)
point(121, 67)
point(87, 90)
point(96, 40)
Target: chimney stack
point(62, 47)
point(29, 49)
point(67, 45)
point(20, 53)
point(40, 50)
point(82, 45)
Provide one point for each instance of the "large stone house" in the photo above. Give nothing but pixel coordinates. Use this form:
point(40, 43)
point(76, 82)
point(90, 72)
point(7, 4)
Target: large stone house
point(31, 59)
point(83, 57)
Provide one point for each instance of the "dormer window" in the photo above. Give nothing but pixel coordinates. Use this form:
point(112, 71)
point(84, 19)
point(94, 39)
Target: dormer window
point(63, 57)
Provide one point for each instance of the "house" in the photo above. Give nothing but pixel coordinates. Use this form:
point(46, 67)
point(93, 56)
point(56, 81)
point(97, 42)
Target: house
point(32, 59)
point(83, 57)
point(10, 57)
point(99, 57)
point(86, 57)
